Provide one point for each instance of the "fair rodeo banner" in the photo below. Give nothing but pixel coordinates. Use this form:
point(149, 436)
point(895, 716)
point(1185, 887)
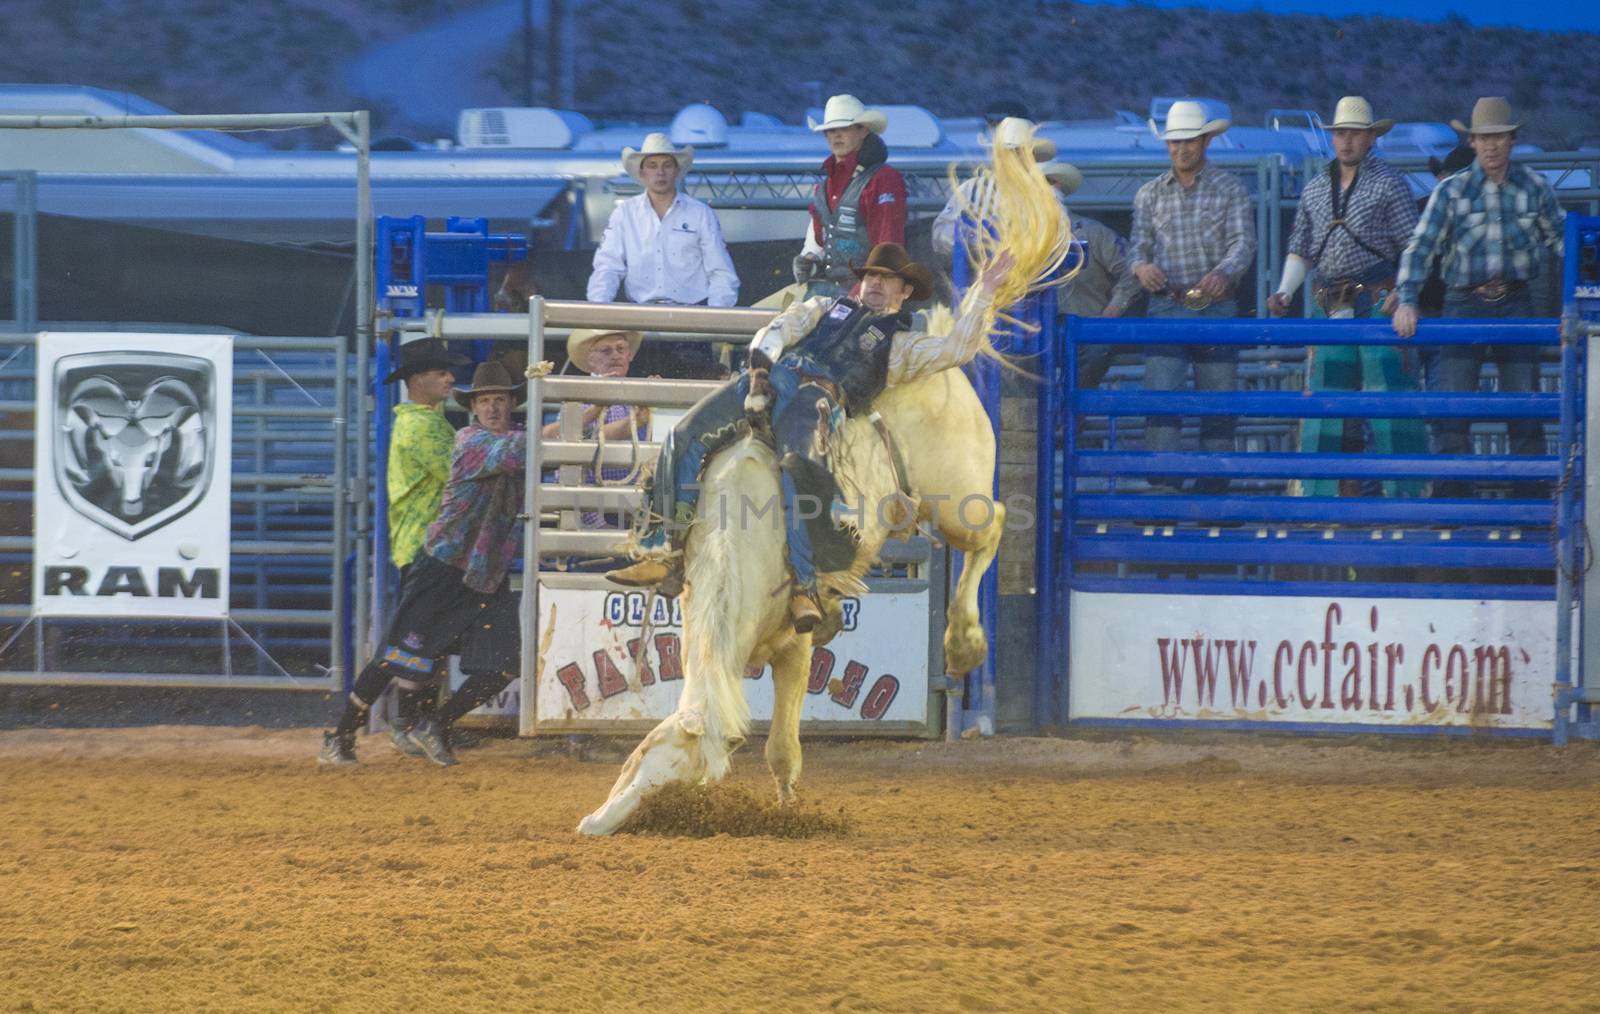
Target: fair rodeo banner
point(1344, 661)
point(132, 473)
point(875, 671)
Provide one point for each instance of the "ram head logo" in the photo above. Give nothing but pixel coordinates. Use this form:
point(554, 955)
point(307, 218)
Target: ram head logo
point(136, 437)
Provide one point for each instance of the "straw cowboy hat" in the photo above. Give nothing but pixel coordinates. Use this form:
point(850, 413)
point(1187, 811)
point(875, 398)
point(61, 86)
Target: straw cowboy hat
point(424, 354)
point(892, 259)
point(1014, 131)
point(656, 144)
point(1490, 115)
point(1066, 176)
point(488, 378)
point(1187, 120)
point(1355, 113)
point(847, 111)
point(580, 342)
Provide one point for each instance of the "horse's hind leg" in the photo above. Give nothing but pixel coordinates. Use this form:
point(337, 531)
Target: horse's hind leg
point(965, 645)
point(790, 670)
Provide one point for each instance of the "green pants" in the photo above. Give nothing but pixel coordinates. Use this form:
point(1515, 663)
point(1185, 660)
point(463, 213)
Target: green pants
point(1360, 368)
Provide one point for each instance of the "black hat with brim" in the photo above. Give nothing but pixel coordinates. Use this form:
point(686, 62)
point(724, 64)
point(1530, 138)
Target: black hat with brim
point(424, 354)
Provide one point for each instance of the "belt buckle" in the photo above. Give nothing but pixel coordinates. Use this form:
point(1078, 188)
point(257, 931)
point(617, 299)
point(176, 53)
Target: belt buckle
point(1493, 292)
point(1196, 299)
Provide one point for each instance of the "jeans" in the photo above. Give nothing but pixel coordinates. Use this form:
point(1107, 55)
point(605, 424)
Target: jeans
point(1166, 366)
point(1458, 368)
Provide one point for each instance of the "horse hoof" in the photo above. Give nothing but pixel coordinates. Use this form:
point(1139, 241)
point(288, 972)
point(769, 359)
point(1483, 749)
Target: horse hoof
point(591, 826)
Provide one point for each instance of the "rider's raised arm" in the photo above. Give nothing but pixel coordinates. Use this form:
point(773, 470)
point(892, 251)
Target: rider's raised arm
point(917, 354)
point(788, 327)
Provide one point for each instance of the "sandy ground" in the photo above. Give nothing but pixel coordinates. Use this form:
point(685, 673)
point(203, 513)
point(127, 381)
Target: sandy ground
point(217, 869)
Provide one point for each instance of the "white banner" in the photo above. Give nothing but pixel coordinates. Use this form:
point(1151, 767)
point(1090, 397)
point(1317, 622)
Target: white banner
point(876, 670)
point(133, 472)
point(1313, 660)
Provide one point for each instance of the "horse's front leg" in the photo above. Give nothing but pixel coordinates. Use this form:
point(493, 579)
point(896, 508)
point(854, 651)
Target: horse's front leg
point(791, 667)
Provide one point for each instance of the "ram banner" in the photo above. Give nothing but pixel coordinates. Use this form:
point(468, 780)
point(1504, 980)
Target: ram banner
point(1311, 660)
point(132, 471)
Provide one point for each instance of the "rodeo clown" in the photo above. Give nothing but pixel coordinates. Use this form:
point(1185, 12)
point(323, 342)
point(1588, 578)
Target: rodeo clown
point(818, 360)
point(457, 590)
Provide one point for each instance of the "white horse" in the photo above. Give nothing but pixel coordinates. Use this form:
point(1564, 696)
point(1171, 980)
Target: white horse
point(736, 597)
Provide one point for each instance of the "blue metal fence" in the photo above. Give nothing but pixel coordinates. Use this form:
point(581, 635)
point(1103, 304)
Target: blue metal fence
point(1112, 532)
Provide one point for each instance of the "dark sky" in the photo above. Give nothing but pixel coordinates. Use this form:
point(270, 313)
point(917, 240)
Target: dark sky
point(1549, 15)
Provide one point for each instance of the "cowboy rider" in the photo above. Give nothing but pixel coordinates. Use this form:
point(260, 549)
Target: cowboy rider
point(860, 202)
point(819, 356)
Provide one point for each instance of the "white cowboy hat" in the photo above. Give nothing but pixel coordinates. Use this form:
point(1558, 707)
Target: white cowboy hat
point(1186, 120)
point(581, 341)
point(1064, 175)
point(1355, 113)
point(1490, 115)
point(656, 144)
point(1013, 132)
point(847, 111)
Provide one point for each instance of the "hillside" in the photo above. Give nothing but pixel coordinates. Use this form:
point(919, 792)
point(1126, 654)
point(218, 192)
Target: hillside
point(642, 57)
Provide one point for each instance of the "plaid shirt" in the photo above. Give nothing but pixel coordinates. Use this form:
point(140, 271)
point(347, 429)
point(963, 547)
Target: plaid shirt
point(419, 465)
point(477, 530)
point(608, 473)
point(1191, 231)
point(1484, 231)
point(1378, 209)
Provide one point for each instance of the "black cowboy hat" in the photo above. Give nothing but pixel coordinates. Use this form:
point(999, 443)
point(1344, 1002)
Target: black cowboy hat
point(892, 259)
point(488, 378)
point(426, 354)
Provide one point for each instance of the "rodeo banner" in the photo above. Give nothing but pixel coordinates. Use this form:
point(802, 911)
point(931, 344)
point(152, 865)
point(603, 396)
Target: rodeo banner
point(604, 658)
point(132, 474)
point(1313, 660)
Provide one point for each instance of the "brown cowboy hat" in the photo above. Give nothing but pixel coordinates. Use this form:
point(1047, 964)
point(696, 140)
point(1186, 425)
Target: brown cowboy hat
point(892, 259)
point(488, 378)
point(1490, 115)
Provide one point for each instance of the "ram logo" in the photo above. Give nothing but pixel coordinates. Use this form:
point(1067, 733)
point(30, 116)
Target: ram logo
point(135, 437)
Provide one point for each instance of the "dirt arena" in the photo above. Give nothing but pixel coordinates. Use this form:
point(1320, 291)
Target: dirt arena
point(218, 869)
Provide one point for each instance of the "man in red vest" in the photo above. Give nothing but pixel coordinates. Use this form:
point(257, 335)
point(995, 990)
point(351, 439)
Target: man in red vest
point(860, 202)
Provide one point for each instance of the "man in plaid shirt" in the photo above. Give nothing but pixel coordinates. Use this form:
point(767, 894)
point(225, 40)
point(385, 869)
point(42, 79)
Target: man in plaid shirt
point(1353, 223)
point(1193, 239)
point(1491, 225)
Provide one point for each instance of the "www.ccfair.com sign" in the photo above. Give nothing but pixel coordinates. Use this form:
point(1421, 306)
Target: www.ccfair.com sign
point(133, 471)
point(1313, 660)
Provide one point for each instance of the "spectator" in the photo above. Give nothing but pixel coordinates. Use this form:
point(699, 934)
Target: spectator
point(1353, 223)
point(663, 246)
point(1490, 225)
point(458, 590)
point(419, 464)
point(1105, 286)
point(860, 202)
point(1193, 239)
point(605, 354)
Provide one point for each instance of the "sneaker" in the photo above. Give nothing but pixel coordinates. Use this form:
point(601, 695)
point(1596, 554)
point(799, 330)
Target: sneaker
point(400, 739)
point(337, 750)
point(804, 612)
point(433, 741)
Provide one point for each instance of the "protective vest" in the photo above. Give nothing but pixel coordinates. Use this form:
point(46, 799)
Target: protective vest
point(850, 345)
point(844, 231)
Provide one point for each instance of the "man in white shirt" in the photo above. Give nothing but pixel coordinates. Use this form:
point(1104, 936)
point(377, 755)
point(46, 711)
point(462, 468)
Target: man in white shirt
point(662, 246)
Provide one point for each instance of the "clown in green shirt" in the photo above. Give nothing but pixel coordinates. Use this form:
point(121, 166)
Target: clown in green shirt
point(419, 450)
